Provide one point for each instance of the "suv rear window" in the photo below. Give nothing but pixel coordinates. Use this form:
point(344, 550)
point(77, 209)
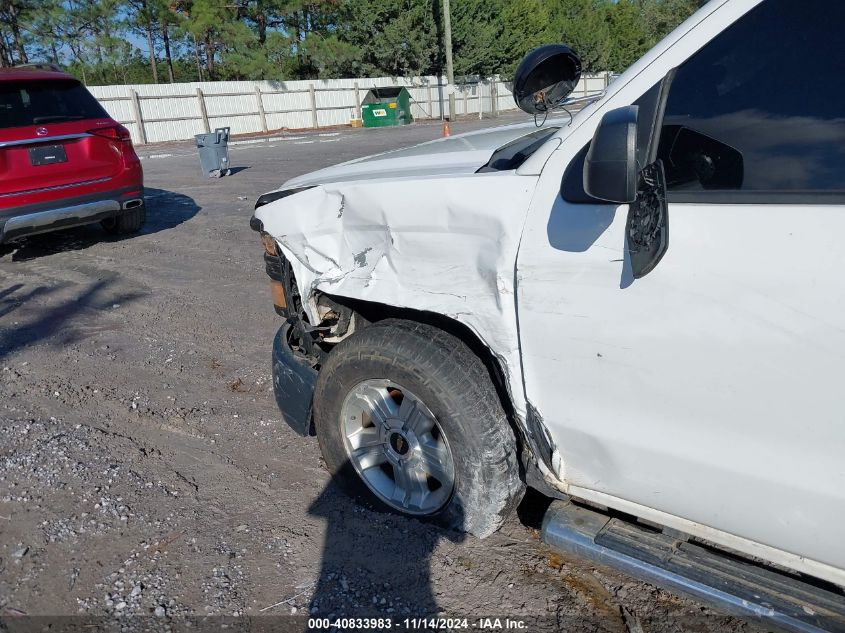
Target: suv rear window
point(39, 102)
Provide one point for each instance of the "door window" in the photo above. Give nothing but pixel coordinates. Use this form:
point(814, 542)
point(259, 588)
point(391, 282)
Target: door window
point(758, 114)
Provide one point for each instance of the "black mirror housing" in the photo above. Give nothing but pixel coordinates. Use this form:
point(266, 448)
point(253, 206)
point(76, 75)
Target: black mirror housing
point(545, 77)
point(610, 168)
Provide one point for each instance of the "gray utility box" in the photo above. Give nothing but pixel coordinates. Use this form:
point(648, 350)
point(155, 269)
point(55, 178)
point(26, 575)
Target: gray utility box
point(214, 152)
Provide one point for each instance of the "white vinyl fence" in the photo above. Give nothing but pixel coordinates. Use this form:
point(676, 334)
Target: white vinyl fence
point(170, 112)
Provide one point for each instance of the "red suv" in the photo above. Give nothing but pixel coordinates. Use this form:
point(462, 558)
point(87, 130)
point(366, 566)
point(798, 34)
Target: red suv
point(63, 160)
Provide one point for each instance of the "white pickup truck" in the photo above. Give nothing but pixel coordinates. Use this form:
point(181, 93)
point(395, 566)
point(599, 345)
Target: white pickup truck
point(638, 310)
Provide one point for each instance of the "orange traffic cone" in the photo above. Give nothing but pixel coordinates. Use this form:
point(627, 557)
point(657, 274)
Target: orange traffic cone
point(446, 130)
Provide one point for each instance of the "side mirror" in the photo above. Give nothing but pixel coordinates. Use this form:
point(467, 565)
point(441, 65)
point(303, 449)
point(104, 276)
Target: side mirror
point(610, 168)
point(545, 77)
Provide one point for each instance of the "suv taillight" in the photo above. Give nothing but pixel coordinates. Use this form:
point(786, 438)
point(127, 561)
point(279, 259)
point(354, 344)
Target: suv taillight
point(116, 133)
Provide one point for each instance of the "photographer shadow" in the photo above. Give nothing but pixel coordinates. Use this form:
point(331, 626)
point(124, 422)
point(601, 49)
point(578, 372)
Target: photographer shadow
point(374, 564)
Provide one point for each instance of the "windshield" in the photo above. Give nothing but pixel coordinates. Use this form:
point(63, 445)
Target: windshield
point(513, 154)
point(37, 102)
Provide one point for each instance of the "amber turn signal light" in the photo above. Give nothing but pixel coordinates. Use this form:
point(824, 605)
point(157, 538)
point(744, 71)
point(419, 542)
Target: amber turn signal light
point(277, 289)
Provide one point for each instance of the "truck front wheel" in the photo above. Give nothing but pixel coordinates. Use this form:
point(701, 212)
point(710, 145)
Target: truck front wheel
point(409, 421)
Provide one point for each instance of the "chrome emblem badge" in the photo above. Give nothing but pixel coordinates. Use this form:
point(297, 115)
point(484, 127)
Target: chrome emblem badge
point(41, 131)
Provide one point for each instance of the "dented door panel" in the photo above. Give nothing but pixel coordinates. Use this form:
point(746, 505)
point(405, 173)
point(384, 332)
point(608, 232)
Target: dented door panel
point(707, 389)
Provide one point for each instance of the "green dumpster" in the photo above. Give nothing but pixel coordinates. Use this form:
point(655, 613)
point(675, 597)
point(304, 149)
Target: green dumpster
point(383, 107)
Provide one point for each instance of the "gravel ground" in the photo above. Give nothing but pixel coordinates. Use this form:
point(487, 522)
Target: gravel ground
point(144, 468)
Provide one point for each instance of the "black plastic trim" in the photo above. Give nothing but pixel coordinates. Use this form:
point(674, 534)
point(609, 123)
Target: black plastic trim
point(756, 197)
point(273, 267)
point(610, 167)
point(655, 123)
point(272, 196)
point(293, 383)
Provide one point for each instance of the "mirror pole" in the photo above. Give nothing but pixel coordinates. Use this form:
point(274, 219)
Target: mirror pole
point(450, 71)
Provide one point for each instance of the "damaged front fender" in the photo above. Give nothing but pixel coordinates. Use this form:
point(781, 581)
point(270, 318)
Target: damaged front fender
point(445, 245)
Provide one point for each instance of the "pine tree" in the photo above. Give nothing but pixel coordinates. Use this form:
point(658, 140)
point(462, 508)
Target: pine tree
point(283, 39)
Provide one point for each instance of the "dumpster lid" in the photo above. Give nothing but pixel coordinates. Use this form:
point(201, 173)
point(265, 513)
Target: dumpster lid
point(385, 93)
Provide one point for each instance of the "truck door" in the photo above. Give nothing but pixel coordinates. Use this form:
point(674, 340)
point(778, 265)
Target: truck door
point(710, 388)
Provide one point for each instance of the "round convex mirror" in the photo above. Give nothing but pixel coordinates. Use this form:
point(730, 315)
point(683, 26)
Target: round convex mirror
point(545, 77)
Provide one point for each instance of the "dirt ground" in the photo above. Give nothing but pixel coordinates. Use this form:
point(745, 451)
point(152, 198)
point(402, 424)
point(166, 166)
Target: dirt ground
point(144, 468)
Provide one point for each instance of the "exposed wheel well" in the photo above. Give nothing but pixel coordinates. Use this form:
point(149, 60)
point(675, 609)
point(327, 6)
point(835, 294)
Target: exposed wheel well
point(532, 438)
point(339, 317)
point(373, 312)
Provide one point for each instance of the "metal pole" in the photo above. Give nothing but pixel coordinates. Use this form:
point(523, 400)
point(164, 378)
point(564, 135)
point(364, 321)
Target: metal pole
point(203, 111)
point(139, 120)
point(450, 71)
point(261, 114)
point(315, 123)
point(480, 99)
point(357, 102)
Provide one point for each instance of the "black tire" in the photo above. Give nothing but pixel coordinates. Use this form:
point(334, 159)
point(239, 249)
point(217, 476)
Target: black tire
point(127, 222)
point(455, 385)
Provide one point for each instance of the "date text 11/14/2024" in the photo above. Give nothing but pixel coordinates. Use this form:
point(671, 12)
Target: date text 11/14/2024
point(417, 624)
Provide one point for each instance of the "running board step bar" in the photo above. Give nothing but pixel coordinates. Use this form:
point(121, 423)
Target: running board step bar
point(668, 560)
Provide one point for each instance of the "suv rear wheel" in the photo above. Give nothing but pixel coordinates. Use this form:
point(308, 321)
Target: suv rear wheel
point(409, 421)
point(127, 222)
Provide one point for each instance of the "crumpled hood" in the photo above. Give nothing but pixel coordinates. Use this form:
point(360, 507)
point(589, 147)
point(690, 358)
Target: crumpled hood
point(459, 154)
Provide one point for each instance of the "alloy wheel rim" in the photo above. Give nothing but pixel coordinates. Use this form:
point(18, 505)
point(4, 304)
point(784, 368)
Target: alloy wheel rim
point(396, 446)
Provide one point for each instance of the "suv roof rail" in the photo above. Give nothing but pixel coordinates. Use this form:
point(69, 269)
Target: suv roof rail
point(41, 66)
